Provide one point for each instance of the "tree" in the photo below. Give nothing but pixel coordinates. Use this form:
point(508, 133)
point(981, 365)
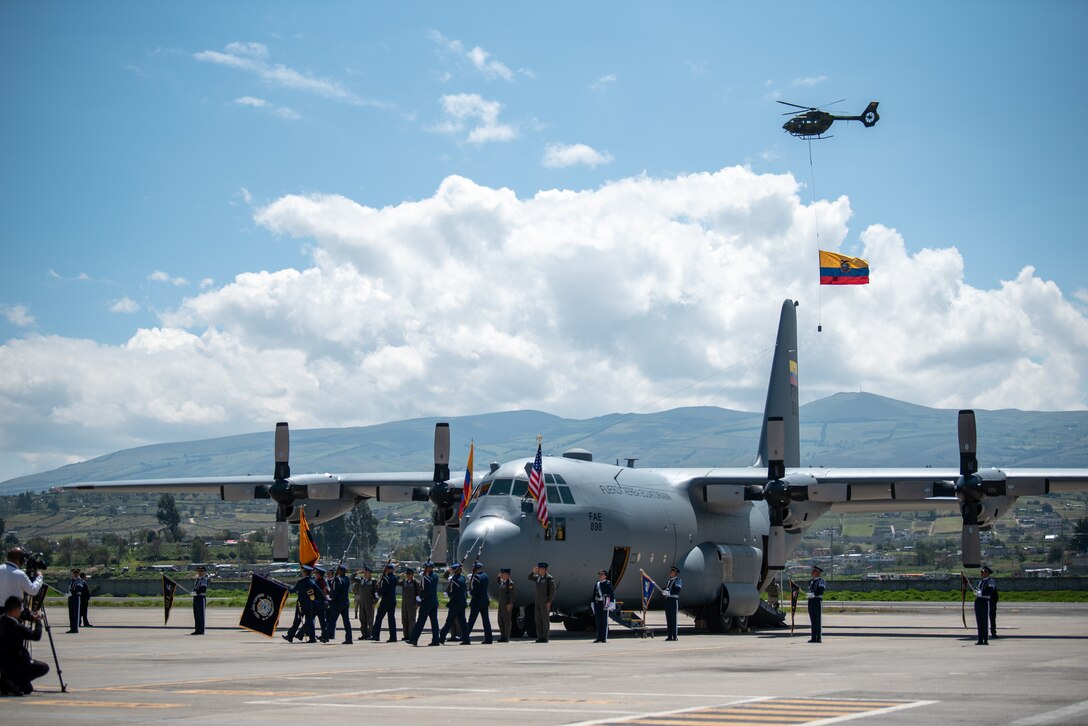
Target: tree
point(333, 536)
point(169, 516)
point(247, 551)
point(200, 550)
point(1080, 536)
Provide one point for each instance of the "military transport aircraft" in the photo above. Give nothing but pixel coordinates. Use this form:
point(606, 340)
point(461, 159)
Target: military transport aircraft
point(729, 530)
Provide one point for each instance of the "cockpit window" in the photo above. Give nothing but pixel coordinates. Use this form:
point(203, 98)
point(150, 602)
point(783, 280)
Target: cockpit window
point(521, 487)
point(481, 490)
point(567, 497)
point(559, 495)
point(554, 479)
point(501, 486)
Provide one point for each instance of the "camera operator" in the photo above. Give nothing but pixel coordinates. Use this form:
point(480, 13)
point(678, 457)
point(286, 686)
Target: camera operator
point(14, 581)
point(17, 668)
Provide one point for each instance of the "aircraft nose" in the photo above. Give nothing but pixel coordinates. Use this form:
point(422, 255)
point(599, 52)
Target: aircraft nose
point(495, 541)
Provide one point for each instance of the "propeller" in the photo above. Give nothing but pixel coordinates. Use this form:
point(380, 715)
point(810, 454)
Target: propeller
point(441, 494)
point(776, 493)
point(969, 490)
point(281, 492)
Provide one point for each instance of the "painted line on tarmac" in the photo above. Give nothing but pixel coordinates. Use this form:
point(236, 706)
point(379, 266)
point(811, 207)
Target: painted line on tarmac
point(767, 712)
point(105, 704)
point(1062, 714)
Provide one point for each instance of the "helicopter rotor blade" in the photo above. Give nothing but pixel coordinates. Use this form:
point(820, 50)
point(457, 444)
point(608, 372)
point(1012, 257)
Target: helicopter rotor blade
point(795, 105)
point(832, 103)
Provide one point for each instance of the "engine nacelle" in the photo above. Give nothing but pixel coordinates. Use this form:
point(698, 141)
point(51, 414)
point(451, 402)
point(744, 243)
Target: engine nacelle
point(710, 566)
point(323, 510)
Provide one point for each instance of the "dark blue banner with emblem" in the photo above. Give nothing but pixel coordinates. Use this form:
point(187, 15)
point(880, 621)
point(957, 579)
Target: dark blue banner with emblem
point(169, 587)
point(263, 606)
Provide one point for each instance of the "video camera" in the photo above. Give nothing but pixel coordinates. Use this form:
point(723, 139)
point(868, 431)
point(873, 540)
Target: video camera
point(35, 563)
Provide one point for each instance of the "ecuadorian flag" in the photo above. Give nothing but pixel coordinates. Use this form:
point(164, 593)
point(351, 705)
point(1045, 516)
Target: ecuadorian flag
point(836, 269)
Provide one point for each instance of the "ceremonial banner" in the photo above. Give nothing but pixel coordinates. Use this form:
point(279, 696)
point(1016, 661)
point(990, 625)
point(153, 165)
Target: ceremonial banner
point(169, 587)
point(262, 611)
point(466, 492)
point(836, 269)
point(308, 554)
point(648, 586)
point(536, 486)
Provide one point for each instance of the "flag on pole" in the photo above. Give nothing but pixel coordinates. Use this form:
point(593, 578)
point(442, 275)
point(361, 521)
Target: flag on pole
point(263, 606)
point(648, 586)
point(466, 493)
point(536, 486)
point(308, 554)
point(169, 587)
point(836, 269)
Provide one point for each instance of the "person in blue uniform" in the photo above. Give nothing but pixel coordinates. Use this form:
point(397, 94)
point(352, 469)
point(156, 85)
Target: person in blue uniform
point(338, 609)
point(457, 590)
point(200, 601)
point(85, 602)
point(428, 606)
point(76, 592)
point(307, 591)
point(16, 665)
point(387, 608)
point(601, 604)
point(993, 606)
point(321, 605)
point(672, 589)
point(480, 602)
point(985, 591)
point(816, 587)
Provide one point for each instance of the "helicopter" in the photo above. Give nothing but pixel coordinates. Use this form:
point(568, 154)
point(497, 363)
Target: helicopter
point(814, 121)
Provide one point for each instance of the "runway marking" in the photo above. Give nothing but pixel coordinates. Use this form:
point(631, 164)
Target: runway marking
point(767, 712)
point(106, 704)
point(238, 692)
point(1062, 714)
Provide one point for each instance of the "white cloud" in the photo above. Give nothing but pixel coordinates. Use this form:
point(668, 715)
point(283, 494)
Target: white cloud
point(160, 276)
point(465, 109)
point(559, 156)
point(124, 305)
point(482, 61)
point(603, 83)
point(809, 81)
point(280, 111)
point(253, 58)
point(18, 315)
point(575, 302)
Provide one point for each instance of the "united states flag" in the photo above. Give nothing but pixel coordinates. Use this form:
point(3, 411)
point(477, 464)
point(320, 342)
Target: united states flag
point(536, 488)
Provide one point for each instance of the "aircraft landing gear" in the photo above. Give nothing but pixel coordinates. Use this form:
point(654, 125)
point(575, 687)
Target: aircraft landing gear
point(523, 622)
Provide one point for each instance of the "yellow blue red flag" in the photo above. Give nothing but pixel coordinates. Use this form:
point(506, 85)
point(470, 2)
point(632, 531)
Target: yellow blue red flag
point(836, 269)
point(308, 554)
point(466, 492)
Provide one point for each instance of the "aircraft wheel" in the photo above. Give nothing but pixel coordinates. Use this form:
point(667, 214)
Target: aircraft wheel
point(579, 624)
point(740, 624)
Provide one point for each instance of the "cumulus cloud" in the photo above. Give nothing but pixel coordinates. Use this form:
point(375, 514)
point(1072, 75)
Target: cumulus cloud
point(124, 305)
point(164, 277)
point(645, 293)
point(253, 58)
point(18, 315)
point(809, 81)
point(559, 156)
point(464, 110)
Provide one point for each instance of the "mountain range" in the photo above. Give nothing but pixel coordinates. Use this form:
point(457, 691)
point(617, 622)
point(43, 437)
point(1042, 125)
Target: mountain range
point(846, 429)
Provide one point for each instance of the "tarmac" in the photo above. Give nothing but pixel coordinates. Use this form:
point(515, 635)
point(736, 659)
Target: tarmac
point(901, 664)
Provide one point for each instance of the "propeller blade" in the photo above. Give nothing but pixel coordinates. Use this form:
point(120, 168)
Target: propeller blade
point(776, 548)
point(282, 452)
point(280, 545)
point(972, 546)
point(795, 105)
point(968, 443)
point(441, 452)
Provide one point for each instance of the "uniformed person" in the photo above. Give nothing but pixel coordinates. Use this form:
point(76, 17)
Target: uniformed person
point(321, 605)
point(387, 591)
point(544, 592)
point(984, 593)
point(368, 594)
point(200, 600)
point(816, 587)
point(85, 602)
point(993, 606)
point(338, 609)
point(409, 591)
point(305, 590)
point(774, 592)
point(428, 606)
point(480, 602)
point(505, 605)
point(602, 604)
point(457, 591)
point(76, 589)
point(672, 589)
point(357, 595)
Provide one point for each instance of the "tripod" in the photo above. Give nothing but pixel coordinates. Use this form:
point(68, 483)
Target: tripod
point(52, 646)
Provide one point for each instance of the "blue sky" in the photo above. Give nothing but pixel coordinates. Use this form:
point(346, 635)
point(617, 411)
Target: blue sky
point(156, 152)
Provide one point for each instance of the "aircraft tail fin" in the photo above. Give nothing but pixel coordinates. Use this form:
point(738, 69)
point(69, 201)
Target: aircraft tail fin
point(782, 393)
point(869, 116)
